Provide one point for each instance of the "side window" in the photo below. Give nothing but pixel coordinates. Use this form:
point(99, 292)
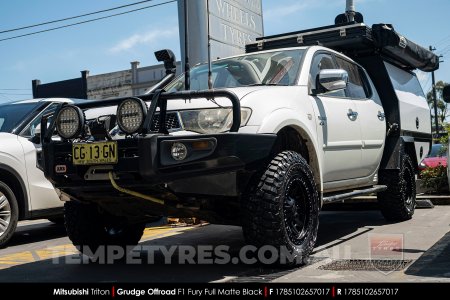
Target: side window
point(322, 61)
point(356, 87)
point(30, 129)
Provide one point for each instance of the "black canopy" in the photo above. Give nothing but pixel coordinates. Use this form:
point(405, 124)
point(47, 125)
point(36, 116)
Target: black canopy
point(357, 40)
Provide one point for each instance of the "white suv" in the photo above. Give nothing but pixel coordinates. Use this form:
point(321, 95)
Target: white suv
point(24, 191)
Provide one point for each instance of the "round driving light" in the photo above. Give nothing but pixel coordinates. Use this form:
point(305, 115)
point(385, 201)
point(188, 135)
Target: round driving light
point(69, 122)
point(131, 115)
point(179, 151)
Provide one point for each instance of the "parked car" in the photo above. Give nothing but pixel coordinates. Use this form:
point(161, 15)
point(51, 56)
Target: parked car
point(437, 156)
point(24, 191)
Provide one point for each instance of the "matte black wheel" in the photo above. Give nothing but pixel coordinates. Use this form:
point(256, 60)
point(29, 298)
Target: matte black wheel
point(398, 202)
point(9, 213)
point(88, 229)
point(282, 210)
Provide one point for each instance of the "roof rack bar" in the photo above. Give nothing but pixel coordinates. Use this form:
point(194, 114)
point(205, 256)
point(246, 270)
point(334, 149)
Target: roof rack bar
point(263, 40)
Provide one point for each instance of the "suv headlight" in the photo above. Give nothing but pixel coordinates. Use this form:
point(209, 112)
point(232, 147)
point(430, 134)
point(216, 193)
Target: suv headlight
point(131, 115)
point(212, 120)
point(70, 122)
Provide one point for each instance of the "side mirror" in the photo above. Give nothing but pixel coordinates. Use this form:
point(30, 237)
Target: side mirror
point(446, 94)
point(333, 80)
point(36, 138)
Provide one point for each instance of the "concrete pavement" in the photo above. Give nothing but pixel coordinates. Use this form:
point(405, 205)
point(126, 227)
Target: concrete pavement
point(426, 241)
point(40, 252)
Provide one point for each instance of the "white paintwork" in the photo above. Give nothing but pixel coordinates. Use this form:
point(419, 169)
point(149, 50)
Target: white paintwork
point(57, 100)
point(41, 193)
point(413, 106)
point(426, 147)
point(373, 132)
point(20, 154)
point(351, 149)
point(347, 151)
point(412, 100)
point(338, 145)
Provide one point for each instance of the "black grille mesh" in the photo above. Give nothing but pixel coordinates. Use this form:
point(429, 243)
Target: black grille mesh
point(172, 122)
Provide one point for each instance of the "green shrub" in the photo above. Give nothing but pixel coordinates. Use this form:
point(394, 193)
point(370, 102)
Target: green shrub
point(435, 178)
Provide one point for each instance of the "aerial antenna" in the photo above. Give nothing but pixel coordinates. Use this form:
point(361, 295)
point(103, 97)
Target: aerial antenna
point(187, 75)
point(210, 84)
point(350, 15)
point(350, 10)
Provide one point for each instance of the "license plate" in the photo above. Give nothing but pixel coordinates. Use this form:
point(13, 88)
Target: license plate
point(94, 153)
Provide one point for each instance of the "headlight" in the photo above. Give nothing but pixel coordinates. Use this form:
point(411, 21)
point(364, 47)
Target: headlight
point(70, 122)
point(212, 120)
point(131, 114)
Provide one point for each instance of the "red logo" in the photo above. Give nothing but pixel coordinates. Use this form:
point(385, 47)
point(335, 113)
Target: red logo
point(61, 169)
point(386, 248)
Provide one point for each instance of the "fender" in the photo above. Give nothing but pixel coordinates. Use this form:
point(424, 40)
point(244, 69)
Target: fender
point(24, 212)
point(394, 148)
point(285, 117)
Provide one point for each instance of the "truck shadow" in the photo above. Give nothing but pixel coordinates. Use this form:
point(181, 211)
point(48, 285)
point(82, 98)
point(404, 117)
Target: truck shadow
point(435, 262)
point(27, 234)
point(150, 265)
point(350, 221)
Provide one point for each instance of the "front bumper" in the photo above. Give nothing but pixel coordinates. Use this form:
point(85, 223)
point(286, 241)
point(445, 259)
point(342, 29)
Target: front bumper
point(146, 161)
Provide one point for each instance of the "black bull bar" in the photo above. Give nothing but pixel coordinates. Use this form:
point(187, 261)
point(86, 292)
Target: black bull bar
point(158, 99)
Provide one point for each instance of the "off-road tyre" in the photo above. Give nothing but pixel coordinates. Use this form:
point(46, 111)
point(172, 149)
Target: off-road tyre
point(281, 209)
point(398, 202)
point(89, 229)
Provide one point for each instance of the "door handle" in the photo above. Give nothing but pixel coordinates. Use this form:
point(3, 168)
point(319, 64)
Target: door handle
point(381, 116)
point(352, 115)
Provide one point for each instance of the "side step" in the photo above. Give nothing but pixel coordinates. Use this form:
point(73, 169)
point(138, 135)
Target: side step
point(342, 196)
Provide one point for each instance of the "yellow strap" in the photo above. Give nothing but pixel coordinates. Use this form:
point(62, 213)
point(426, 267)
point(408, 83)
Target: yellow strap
point(132, 193)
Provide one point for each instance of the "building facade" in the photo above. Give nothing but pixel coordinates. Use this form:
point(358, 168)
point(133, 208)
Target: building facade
point(125, 83)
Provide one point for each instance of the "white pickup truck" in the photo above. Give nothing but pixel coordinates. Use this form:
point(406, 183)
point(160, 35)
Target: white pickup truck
point(307, 125)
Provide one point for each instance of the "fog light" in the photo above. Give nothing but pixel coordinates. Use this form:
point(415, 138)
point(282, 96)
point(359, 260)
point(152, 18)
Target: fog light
point(179, 151)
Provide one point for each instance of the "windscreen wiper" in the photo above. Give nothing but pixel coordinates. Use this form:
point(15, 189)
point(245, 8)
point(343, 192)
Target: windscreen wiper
point(266, 84)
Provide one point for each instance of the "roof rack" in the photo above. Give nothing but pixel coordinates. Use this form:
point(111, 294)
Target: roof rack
point(356, 40)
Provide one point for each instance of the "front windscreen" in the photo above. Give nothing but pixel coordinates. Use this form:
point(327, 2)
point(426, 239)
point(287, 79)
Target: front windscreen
point(12, 115)
point(268, 68)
